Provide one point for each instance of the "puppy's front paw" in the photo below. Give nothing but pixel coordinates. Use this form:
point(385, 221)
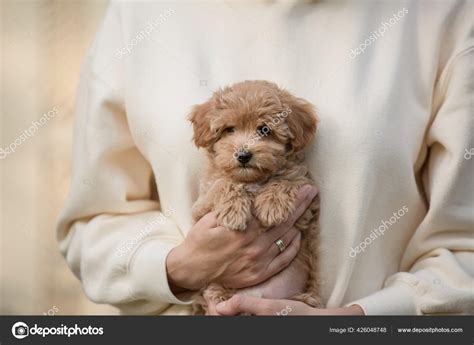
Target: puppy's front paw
point(274, 208)
point(235, 215)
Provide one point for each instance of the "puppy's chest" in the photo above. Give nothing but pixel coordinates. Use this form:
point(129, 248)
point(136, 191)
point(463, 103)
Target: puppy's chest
point(252, 189)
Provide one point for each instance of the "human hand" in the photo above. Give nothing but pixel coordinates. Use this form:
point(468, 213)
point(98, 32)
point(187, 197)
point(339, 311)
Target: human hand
point(239, 304)
point(237, 259)
point(289, 282)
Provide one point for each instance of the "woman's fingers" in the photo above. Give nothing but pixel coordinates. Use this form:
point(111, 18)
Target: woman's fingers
point(208, 221)
point(305, 196)
point(239, 304)
point(254, 229)
point(287, 238)
point(282, 260)
point(230, 247)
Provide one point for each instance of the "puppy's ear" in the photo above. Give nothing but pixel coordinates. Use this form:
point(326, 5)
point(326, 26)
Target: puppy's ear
point(301, 120)
point(200, 117)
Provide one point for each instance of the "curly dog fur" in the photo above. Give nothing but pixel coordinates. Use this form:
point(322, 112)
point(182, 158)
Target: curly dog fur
point(254, 133)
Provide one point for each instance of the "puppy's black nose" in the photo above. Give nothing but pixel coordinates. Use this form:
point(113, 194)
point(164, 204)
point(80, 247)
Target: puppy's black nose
point(244, 157)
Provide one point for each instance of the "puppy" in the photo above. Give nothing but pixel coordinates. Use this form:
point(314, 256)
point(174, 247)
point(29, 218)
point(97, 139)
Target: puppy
point(254, 133)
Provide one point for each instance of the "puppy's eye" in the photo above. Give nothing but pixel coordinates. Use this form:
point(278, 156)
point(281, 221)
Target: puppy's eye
point(264, 130)
point(229, 130)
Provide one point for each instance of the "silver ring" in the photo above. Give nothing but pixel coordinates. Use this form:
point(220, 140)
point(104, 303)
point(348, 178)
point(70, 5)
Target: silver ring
point(281, 245)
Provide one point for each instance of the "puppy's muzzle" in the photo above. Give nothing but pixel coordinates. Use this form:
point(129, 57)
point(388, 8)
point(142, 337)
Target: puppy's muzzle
point(243, 157)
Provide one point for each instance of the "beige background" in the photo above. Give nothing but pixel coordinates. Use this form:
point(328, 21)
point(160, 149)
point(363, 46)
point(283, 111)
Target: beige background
point(42, 46)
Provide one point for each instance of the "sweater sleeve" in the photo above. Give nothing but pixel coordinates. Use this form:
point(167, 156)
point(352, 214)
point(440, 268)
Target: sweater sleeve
point(112, 231)
point(438, 264)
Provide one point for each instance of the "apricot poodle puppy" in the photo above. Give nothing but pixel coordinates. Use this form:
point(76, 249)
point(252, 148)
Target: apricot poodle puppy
point(254, 133)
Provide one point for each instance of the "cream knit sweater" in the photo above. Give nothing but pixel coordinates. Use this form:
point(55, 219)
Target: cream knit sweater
point(394, 85)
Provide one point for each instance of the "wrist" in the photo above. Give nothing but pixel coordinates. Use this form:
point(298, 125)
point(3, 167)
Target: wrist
point(178, 273)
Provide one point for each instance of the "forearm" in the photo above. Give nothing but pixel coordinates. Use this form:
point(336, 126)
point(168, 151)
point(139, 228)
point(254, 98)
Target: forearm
point(115, 268)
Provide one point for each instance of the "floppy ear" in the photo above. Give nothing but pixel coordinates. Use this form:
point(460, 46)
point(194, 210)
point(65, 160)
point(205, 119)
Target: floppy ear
point(200, 117)
point(301, 120)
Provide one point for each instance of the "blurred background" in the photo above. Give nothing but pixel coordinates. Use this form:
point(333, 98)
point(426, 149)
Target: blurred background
point(42, 45)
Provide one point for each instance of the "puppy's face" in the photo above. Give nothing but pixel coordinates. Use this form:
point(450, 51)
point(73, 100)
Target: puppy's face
point(250, 129)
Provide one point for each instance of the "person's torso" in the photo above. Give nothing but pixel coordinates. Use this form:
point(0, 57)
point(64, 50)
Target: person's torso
point(369, 68)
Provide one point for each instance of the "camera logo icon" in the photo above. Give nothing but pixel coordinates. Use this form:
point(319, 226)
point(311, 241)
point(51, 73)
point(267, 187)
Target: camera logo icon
point(20, 330)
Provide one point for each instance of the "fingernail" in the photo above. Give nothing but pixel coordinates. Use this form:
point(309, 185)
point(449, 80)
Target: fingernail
point(314, 192)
